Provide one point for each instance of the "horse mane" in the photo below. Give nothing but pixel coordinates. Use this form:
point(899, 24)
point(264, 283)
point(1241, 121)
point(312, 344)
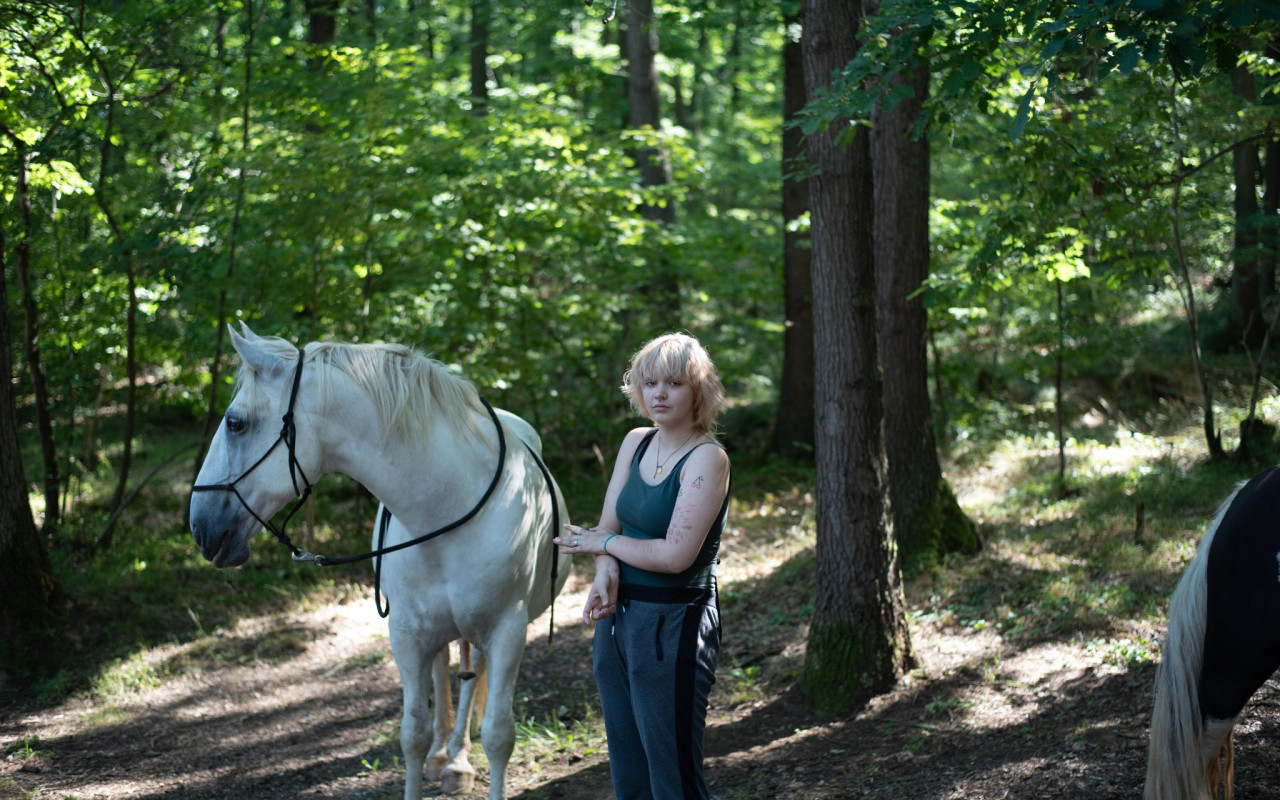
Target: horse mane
point(407, 387)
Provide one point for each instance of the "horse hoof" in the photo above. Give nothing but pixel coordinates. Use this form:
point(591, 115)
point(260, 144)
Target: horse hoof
point(456, 782)
point(435, 768)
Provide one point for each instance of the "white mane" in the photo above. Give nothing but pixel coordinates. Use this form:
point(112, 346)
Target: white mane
point(406, 387)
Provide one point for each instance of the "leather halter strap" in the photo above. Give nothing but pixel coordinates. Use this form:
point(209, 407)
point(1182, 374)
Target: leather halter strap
point(289, 436)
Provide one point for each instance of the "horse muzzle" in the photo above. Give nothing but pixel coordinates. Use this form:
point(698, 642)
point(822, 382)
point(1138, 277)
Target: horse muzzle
point(222, 539)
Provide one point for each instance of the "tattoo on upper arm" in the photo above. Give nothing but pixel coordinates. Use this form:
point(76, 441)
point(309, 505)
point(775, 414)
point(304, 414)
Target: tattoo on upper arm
point(697, 483)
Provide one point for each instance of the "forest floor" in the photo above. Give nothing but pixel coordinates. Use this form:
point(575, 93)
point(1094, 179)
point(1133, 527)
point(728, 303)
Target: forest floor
point(305, 702)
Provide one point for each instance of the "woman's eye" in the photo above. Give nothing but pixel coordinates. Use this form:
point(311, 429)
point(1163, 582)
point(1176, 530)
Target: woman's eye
point(235, 424)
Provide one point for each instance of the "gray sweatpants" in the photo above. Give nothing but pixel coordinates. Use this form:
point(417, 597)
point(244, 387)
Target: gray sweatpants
point(655, 663)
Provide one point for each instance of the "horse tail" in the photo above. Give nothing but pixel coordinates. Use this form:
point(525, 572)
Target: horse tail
point(1177, 767)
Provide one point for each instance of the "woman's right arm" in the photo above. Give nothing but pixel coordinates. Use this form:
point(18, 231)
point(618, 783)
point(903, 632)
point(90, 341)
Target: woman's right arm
point(604, 589)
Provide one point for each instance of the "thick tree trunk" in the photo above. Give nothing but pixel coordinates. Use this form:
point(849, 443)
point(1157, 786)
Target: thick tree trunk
point(27, 585)
point(31, 343)
point(926, 518)
point(793, 428)
point(858, 644)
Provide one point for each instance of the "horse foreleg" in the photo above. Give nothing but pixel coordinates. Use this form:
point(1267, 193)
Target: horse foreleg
point(498, 731)
point(413, 659)
point(438, 756)
point(459, 775)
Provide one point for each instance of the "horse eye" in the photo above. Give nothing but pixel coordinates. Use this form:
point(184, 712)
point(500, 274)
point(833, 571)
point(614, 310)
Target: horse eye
point(235, 425)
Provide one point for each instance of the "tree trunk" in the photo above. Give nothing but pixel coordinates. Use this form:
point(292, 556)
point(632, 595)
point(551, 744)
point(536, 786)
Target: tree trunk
point(233, 242)
point(31, 342)
point(131, 314)
point(480, 15)
point(1270, 235)
point(1186, 292)
point(655, 170)
point(28, 588)
point(429, 36)
point(926, 518)
point(793, 428)
point(1059, 430)
point(322, 21)
point(1270, 232)
point(1246, 294)
point(858, 643)
point(131, 378)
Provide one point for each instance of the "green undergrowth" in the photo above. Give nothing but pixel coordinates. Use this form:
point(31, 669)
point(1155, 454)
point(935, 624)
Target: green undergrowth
point(1079, 563)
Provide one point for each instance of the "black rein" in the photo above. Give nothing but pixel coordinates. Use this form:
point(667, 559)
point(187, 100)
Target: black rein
point(289, 435)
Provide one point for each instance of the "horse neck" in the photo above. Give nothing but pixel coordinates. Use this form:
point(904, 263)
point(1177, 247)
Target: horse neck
point(421, 479)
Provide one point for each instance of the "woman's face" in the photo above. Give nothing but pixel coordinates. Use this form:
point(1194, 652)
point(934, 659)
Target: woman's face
point(668, 400)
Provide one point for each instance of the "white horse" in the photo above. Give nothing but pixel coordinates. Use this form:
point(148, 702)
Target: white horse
point(424, 443)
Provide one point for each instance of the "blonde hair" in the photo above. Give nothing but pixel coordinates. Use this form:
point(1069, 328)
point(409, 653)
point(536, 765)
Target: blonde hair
point(680, 356)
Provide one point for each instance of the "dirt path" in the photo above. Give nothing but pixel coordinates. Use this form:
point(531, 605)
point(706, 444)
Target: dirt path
point(307, 705)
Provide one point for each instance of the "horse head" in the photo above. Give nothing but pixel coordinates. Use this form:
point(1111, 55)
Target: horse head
point(264, 453)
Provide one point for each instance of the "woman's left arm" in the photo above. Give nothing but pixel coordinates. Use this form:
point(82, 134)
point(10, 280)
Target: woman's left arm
point(704, 484)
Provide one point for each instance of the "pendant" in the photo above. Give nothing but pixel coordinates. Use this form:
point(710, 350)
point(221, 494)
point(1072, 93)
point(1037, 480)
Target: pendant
point(659, 472)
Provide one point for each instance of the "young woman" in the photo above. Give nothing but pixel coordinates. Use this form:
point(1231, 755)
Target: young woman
point(654, 596)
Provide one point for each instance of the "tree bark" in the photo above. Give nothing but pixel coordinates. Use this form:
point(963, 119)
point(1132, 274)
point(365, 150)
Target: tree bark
point(858, 643)
point(793, 428)
point(655, 170)
point(1270, 235)
point(1246, 292)
point(28, 588)
point(322, 21)
point(927, 521)
point(1186, 292)
point(233, 242)
point(31, 340)
point(480, 15)
point(131, 309)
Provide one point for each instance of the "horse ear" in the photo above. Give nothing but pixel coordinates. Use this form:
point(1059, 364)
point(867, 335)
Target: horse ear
point(246, 333)
point(253, 355)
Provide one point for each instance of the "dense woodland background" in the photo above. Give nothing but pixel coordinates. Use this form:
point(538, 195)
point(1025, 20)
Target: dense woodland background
point(501, 187)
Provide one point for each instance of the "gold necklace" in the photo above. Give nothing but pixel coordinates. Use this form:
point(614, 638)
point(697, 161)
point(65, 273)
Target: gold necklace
point(657, 470)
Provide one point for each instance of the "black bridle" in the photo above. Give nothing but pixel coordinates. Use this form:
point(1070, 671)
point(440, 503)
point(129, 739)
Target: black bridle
point(289, 436)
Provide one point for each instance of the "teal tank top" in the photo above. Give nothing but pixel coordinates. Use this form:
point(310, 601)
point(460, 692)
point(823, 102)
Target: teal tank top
point(645, 513)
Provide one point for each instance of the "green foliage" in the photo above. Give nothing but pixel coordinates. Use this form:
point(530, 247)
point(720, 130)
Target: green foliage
point(368, 201)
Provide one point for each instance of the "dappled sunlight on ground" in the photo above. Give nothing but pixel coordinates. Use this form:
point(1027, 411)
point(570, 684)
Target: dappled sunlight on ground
point(1034, 665)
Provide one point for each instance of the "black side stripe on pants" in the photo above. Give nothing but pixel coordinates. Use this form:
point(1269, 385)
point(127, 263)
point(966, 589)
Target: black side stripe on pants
point(686, 672)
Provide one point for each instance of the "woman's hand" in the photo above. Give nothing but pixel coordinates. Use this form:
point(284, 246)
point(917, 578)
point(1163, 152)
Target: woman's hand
point(603, 598)
point(582, 540)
